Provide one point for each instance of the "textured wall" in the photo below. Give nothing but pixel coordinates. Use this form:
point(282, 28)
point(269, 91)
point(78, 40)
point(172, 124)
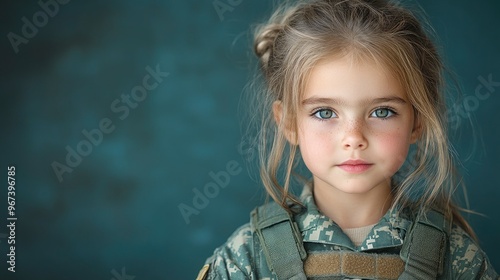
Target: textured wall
point(113, 213)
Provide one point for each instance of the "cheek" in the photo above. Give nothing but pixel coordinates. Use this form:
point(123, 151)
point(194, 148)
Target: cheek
point(394, 148)
point(315, 145)
point(310, 143)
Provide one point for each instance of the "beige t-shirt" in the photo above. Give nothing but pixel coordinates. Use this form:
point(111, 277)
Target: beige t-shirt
point(358, 235)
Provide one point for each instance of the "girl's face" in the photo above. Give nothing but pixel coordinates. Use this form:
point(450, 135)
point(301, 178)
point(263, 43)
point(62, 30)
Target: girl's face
point(355, 126)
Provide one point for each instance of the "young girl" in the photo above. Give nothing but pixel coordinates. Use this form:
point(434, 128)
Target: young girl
point(351, 85)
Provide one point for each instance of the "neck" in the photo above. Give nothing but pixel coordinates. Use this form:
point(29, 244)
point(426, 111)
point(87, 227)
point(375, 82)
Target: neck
point(353, 210)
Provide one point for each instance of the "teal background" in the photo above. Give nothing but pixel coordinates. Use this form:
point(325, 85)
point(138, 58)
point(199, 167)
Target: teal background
point(118, 209)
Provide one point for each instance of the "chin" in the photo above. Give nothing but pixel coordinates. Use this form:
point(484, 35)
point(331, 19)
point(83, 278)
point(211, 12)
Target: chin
point(355, 190)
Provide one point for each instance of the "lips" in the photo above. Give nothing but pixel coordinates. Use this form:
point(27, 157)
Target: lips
point(355, 166)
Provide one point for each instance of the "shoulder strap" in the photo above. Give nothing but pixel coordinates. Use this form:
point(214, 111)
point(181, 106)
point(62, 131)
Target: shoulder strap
point(425, 246)
point(281, 241)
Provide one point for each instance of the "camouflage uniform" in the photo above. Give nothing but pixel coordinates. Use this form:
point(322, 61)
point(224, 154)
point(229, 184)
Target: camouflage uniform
point(242, 257)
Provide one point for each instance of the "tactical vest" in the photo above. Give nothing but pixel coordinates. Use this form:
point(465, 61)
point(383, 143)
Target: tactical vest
point(422, 256)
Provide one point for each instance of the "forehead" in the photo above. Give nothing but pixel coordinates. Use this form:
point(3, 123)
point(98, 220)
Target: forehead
point(351, 79)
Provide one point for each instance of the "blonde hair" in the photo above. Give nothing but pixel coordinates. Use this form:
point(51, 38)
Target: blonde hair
point(299, 35)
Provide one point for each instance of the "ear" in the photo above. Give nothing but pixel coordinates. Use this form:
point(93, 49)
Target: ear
point(417, 129)
point(283, 124)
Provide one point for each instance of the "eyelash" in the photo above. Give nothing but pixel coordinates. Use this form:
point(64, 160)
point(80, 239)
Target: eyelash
point(316, 111)
point(390, 109)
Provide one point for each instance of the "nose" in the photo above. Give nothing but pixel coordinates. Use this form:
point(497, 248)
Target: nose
point(354, 137)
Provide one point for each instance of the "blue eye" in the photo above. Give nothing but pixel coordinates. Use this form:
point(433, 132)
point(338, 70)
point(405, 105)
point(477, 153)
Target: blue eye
point(383, 113)
point(324, 114)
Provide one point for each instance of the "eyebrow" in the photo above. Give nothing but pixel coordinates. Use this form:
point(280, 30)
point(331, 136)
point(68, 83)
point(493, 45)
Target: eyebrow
point(323, 100)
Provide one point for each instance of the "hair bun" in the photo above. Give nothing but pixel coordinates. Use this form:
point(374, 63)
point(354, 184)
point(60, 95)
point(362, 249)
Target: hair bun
point(264, 42)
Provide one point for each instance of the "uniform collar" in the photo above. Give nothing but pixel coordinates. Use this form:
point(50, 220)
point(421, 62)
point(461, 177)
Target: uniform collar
point(318, 228)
